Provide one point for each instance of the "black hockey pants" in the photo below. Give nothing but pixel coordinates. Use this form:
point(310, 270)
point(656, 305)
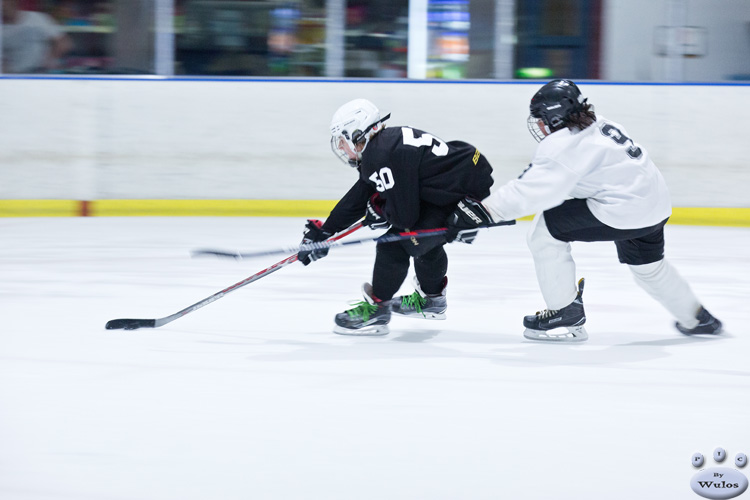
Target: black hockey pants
point(430, 260)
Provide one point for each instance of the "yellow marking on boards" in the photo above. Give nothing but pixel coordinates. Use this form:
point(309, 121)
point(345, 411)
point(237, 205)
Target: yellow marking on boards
point(690, 216)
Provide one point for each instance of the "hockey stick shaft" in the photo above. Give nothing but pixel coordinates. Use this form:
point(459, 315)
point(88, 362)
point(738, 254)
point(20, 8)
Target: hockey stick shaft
point(133, 324)
point(385, 238)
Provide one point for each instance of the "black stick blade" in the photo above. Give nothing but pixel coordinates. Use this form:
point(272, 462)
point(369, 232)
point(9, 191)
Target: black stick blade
point(217, 253)
point(129, 324)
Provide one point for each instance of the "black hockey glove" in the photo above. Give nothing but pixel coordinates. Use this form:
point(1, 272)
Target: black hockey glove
point(465, 221)
point(374, 216)
point(313, 234)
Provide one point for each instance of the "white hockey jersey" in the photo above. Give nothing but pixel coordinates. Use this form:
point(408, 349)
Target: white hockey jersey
point(621, 185)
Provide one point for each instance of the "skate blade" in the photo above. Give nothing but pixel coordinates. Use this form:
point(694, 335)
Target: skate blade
point(573, 334)
point(368, 331)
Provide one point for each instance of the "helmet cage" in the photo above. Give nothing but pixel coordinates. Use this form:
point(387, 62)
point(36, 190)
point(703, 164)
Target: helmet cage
point(538, 132)
point(341, 153)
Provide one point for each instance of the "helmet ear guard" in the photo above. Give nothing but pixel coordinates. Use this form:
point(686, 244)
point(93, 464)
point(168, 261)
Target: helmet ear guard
point(358, 136)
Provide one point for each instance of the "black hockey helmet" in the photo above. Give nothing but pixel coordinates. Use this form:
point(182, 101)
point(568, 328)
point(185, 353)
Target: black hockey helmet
point(554, 103)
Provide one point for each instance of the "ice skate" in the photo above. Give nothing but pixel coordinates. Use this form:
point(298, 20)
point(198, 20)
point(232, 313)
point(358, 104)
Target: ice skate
point(420, 304)
point(365, 318)
point(547, 325)
point(707, 324)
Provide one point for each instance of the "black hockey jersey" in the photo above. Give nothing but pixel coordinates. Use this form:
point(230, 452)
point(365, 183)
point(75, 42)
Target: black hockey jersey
point(409, 168)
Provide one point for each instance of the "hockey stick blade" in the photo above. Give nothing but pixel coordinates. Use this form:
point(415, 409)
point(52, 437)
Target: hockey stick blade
point(218, 253)
point(129, 324)
point(384, 238)
point(134, 324)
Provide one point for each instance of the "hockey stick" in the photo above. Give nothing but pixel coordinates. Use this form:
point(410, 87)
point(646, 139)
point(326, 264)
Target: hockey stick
point(385, 238)
point(134, 324)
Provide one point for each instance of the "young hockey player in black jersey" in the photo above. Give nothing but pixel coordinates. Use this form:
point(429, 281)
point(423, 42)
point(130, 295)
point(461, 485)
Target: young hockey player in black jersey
point(408, 180)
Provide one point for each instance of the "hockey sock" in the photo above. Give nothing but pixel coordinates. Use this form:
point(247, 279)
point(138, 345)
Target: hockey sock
point(670, 289)
point(555, 268)
point(430, 269)
point(390, 270)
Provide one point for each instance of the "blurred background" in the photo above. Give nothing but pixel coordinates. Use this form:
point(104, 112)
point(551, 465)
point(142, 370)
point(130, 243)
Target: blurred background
point(623, 40)
point(107, 100)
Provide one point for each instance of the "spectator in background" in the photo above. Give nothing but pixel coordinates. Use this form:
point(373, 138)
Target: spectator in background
point(32, 41)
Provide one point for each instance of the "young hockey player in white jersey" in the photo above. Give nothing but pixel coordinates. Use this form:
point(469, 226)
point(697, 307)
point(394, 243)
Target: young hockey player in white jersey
point(407, 180)
point(588, 181)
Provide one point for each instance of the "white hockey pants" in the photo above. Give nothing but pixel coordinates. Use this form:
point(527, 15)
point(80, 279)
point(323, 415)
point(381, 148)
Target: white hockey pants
point(556, 274)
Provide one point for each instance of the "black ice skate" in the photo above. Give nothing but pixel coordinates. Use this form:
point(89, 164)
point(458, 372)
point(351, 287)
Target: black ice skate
point(707, 324)
point(541, 325)
point(365, 318)
point(420, 304)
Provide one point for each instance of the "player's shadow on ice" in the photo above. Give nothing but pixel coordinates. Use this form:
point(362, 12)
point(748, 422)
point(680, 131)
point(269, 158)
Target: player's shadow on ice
point(675, 341)
point(597, 352)
point(416, 336)
point(497, 348)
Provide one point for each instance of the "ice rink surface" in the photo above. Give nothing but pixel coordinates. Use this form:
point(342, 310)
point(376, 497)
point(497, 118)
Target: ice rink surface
point(254, 397)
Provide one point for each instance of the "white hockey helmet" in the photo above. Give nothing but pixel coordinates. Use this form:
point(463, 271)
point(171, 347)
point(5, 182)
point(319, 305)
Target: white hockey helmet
point(356, 122)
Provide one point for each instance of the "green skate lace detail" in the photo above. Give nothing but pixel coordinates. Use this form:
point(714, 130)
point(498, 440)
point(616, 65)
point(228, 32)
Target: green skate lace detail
point(362, 309)
point(414, 300)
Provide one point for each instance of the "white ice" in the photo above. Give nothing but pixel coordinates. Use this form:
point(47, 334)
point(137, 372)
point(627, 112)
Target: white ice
point(254, 397)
